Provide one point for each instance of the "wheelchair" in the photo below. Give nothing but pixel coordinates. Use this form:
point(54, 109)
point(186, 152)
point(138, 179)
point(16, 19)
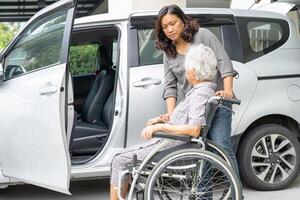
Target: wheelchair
point(197, 169)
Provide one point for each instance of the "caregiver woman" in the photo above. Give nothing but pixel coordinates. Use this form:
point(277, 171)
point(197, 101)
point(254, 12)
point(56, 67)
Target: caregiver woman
point(175, 34)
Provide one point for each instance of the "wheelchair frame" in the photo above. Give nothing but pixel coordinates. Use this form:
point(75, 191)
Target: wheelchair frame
point(201, 141)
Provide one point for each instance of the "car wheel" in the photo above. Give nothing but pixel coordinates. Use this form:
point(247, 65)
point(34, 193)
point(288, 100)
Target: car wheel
point(269, 157)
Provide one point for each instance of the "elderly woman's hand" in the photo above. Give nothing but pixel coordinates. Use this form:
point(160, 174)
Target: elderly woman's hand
point(149, 130)
point(225, 93)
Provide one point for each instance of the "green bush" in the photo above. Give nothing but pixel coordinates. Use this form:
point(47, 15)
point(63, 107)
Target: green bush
point(83, 58)
point(7, 32)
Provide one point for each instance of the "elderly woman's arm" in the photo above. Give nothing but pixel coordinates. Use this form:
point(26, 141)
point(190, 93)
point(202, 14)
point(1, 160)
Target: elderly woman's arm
point(190, 130)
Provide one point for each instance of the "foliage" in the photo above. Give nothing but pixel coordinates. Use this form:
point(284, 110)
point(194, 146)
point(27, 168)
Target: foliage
point(44, 49)
point(83, 58)
point(7, 32)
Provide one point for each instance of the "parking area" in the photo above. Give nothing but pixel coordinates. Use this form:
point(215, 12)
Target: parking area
point(99, 190)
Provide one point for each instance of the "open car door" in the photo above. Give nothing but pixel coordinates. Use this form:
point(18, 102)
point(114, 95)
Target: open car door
point(33, 100)
point(281, 6)
point(290, 8)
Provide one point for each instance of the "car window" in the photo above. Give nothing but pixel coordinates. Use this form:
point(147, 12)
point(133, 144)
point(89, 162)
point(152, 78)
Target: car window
point(217, 31)
point(83, 58)
point(295, 16)
point(38, 47)
point(148, 54)
point(263, 35)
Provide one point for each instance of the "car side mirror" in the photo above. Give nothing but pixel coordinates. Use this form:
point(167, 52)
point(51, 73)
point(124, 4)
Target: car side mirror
point(12, 71)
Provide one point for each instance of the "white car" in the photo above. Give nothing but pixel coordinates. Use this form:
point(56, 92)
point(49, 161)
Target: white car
point(62, 119)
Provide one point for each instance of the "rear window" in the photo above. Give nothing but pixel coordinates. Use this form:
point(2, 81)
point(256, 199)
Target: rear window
point(260, 36)
point(263, 35)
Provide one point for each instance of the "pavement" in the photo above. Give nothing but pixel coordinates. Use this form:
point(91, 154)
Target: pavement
point(99, 190)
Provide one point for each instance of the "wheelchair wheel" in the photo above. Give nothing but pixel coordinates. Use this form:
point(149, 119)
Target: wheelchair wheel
point(192, 174)
point(215, 148)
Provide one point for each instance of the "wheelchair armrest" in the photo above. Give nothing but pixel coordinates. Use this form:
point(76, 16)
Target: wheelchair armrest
point(185, 138)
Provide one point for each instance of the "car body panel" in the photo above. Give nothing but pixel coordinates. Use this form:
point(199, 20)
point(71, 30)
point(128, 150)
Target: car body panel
point(32, 129)
point(244, 88)
point(279, 7)
point(34, 136)
point(145, 99)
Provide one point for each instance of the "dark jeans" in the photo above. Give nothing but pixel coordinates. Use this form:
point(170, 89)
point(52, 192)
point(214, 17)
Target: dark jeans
point(220, 132)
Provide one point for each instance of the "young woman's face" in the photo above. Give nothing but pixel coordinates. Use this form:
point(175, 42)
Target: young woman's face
point(172, 26)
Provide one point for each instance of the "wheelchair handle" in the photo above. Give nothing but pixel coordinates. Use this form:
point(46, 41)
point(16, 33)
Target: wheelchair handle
point(218, 99)
point(232, 101)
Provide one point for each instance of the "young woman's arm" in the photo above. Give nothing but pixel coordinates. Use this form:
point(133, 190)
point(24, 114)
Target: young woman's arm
point(171, 104)
point(224, 63)
point(228, 88)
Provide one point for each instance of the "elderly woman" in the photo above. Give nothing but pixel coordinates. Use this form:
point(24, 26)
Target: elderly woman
point(187, 118)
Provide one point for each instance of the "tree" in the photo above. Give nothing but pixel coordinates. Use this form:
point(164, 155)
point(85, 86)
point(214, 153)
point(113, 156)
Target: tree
point(7, 32)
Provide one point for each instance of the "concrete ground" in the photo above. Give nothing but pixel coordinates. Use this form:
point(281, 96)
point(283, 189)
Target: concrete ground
point(99, 190)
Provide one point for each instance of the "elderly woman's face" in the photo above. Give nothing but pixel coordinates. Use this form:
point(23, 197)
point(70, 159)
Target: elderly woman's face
point(172, 26)
point(190, 76)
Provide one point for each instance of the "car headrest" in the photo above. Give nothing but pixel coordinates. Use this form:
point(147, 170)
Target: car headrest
point(105, 60)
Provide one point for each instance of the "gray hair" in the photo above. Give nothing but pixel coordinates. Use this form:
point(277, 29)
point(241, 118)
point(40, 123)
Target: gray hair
point(203, 61)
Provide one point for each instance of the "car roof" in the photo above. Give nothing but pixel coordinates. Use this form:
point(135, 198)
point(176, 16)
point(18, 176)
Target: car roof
point(109, 17)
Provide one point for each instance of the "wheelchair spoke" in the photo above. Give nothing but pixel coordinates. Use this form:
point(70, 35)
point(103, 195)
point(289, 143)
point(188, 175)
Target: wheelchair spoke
point(192, 177)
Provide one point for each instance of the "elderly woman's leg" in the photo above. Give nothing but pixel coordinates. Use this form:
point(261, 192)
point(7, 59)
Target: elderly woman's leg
point(114, 191)
point(120, 163)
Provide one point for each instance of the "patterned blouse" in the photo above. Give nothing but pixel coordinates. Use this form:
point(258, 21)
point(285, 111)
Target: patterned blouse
point(191, 110)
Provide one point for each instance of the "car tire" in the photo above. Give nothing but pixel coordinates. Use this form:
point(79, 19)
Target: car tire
point(269, 157)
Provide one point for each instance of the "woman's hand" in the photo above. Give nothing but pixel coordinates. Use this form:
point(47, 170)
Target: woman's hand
point(154, 121)
point(165, 117)
point(225, 93)
point(161, 119)
point(149, 130)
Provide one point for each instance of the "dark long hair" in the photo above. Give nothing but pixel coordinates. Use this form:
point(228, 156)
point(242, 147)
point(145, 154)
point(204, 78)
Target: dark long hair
point(190, 29)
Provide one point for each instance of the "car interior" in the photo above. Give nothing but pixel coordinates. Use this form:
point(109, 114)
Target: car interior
point(93, 91)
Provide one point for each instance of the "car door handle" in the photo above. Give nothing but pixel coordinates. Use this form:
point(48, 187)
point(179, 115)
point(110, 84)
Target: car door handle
point(146, 82)
point(48, 89)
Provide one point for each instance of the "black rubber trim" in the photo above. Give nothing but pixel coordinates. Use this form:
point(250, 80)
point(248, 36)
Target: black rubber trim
point(133, 47)
point(147, 21)
point(278, 77)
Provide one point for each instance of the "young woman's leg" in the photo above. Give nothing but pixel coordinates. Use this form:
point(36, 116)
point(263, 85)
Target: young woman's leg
point(220, 133)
